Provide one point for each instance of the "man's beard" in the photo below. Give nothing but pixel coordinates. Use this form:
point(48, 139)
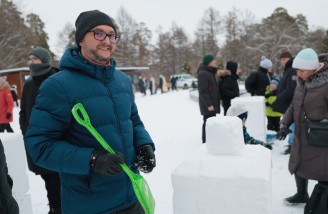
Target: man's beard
point(92, 54)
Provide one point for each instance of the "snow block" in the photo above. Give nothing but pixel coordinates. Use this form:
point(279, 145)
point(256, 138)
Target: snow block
point(17, 168)
point(256, 121)
point(224, 136)
point(206, 183)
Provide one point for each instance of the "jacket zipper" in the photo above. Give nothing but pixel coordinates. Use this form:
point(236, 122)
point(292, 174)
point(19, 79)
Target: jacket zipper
point(118, 127)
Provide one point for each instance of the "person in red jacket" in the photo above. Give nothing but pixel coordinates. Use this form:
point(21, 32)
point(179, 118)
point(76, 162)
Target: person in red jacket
point(6, 107)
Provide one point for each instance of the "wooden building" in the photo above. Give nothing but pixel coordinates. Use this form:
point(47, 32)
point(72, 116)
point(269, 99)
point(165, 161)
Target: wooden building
point(16, 76)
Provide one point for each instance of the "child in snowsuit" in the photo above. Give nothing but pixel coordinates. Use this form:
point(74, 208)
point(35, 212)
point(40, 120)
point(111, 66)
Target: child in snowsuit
point(240, 111)
point(270, 97)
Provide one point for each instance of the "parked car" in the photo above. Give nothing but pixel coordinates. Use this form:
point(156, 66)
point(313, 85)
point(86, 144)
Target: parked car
point(185, 81)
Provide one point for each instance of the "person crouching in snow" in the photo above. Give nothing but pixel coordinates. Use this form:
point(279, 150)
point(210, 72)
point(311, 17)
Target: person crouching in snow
point(240, 111)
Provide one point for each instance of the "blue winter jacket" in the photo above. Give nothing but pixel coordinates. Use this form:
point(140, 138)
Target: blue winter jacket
point(57, 142)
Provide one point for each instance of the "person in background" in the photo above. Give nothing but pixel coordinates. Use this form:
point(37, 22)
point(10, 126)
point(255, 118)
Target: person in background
point(8, 204)
point(162, 84)
point(228, 85)
point(257, 82)
point(6, 107)
point(309, 101)
point(239, 110)
point(285, 92)
point(270, 97)
point(152, 86)
point(92, 179)
point(40, 64)
point(141, 84)
point(173, 81)
point(209, 97)
point(13, 91)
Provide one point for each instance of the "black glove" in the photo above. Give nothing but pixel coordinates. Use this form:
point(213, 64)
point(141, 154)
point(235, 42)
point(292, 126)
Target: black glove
point(283, 132)
point(106, 163)
point(8, 116)
point(266, 145)
point(146, 158)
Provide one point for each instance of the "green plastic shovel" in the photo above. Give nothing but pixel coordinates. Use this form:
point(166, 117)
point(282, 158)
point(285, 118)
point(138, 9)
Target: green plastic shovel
point(140, 186)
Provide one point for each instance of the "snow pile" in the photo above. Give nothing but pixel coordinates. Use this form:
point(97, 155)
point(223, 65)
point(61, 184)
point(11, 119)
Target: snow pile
point(229, 143)
point(240, 182)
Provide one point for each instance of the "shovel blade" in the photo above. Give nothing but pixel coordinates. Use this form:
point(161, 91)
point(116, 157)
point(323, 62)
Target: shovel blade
point(143, 193)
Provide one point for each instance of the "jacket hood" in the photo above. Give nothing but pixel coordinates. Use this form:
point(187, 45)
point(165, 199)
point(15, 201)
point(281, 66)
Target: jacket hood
point(319, 78)
point(74, 60)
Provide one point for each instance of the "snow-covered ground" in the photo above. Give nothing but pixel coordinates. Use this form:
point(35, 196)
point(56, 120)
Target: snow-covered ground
point(174, 122)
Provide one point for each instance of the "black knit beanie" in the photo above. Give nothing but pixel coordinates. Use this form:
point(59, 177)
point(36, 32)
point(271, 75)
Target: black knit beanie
point(43, 68)
point(90, 19)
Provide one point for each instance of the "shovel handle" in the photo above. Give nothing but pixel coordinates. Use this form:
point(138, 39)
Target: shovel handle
point(85, 121)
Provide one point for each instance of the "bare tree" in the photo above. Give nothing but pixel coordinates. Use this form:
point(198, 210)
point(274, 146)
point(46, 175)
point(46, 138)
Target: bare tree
point(66, 38)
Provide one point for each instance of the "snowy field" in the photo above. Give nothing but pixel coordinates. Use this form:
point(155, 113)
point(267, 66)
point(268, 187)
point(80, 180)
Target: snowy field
point(174, 122)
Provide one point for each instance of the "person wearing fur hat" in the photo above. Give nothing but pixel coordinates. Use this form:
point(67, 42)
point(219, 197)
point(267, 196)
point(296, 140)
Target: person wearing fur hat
point(309, 101)
point(257, 82)
point(239, 110)
point(228, 85)
point(6, 107)
point(209, 97)
point(40, 64)
point(92, 179)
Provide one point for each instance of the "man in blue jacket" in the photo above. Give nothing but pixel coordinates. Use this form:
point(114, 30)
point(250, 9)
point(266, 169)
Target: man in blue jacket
point(91, 178)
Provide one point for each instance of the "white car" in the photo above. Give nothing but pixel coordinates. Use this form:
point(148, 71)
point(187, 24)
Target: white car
point(185, 81)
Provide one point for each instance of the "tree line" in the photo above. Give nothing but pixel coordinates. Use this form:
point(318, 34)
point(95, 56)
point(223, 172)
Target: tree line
point(245, 40)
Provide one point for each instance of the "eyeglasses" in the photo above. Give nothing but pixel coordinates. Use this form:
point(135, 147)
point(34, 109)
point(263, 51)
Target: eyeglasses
point(101, 36)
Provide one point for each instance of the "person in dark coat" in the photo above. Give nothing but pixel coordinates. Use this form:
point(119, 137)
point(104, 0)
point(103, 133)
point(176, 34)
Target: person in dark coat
point(39, 61)
point(309, 101)
point(285, 92)
point(92, 179)
point(209, 97)
point(257, 82)
point(228, 85)
point(8, 204)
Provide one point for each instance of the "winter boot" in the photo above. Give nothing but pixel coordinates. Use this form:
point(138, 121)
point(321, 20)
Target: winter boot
point(302, 195)
point(287, 151)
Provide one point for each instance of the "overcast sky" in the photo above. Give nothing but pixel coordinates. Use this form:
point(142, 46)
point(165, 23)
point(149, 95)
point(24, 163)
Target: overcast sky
point(185, 13)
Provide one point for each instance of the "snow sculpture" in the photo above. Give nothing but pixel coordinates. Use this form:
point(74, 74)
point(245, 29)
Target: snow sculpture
point(231, 142)
point(224, 176)
point(256, 121)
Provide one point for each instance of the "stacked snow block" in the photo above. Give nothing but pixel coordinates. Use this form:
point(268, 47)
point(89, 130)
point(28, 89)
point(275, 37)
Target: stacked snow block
point(17, 167)
point(224, 176)
point(256, 121)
